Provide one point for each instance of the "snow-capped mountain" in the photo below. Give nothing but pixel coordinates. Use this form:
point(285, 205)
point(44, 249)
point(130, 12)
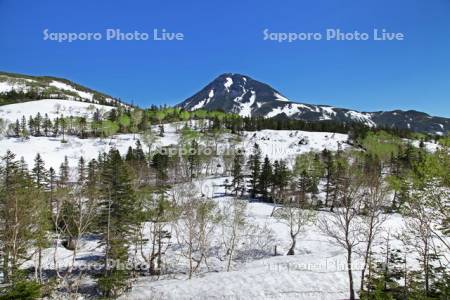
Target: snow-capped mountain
point(15, 88)
point(245, 96)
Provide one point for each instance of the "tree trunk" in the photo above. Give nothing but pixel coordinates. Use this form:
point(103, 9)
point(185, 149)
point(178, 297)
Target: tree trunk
point(292, 249)
point(40, 264)
point(5, 267)
point(350, 274)
point(366, 258)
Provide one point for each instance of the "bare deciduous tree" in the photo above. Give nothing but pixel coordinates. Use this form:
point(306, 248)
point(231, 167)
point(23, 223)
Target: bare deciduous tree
point(195, 227)
point(233, 227)
point(296, 215)
point(343, 225)
point(374, 200)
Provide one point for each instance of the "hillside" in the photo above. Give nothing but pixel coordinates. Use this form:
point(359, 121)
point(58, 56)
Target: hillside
point(15, 88)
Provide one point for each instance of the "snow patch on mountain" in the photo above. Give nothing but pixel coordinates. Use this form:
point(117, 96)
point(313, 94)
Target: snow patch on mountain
point(246, 107)
point(328, 110)
point(228, 83)
point(281, 98)
point(67, 87)
point(289, 110)
point(202, 103)
point(7, 86)
point(361, 117)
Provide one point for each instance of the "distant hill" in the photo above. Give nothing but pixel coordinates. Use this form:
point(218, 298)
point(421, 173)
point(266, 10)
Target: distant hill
point(17, 88)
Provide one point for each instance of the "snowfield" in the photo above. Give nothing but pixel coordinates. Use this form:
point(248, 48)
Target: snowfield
point(53, 107)
point(283, 144)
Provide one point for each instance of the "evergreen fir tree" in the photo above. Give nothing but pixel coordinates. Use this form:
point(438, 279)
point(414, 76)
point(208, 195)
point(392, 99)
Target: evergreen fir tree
point(237, 174)
point(81, 171)
point(265, 178)
point(37, 124)
point(23, 128)
point(117, 221)
point(63, 127)
point(64, 173)
point(160, 162)
point(17, 128)
point(193, 159)
point(280, 181)
point(55, 128)
point(254, 164)
point(46, 125)
point(139, 154)
point(39, 173)
point(31, 125)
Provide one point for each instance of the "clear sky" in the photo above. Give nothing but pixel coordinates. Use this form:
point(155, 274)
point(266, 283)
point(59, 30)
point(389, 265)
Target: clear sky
point(227, 36)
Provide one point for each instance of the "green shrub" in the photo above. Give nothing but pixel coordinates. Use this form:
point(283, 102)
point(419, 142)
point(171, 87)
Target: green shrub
point(24, 290)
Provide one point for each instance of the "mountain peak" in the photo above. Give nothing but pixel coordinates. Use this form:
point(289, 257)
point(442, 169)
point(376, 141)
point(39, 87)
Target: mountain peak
point(235, 93)
point(247, 97)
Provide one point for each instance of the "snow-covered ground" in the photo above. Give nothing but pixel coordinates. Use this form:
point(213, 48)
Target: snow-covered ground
point(281, 145)
point(53, 107)
point(317, 271)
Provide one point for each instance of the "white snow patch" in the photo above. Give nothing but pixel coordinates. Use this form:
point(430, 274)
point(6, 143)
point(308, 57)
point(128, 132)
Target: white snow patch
point(290, 110)
point(361, 117)
point(67, 87)
point(246, 108)
point(8, 86)
point(203, 102)
point(280, 97)
point(228, 83)
point(329, 110)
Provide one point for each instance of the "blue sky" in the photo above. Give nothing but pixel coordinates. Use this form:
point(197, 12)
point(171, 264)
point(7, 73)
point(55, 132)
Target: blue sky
point(227, 36)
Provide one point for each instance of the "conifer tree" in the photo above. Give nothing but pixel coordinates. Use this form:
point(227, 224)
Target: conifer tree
point(39, 173)
point(37, 124)
point(193, 159)
point(55, 128)
point(280, 181)
point(17, 128)
point(160, 162)
point(237, 174)
point(31, 125)
point(117, 221)
point(81, 171)
point(20, 221)
point(254, 164)
point(63, 126)
point(265, 178)
point(46, 125)
point(23, 128)
point(64, 173)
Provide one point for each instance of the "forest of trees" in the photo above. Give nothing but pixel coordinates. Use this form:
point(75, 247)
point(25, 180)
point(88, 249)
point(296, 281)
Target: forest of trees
point(99, 123)
point(114, 196)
